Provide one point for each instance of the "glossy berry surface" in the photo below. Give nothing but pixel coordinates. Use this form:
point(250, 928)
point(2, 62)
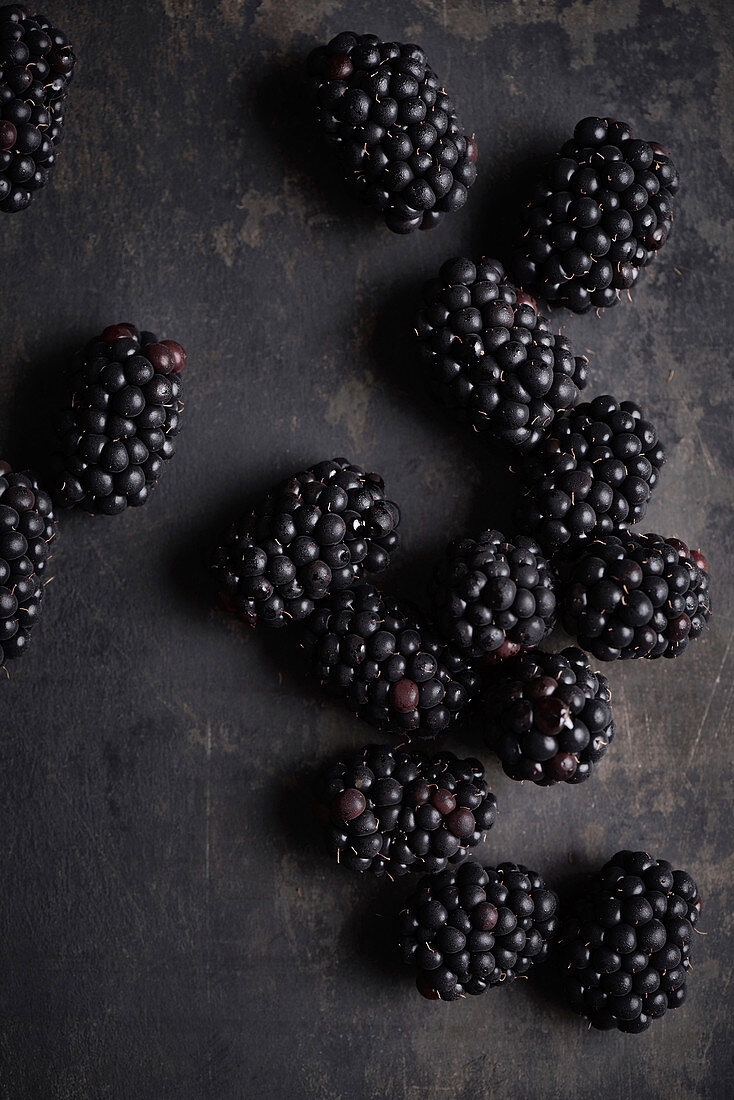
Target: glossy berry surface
point(316, 533)
point(600, 212)
point(489, 356)
point(394, 811)
point(36, 68)
point(27, 531)
point(122, 413)
point(549, 717)
point(383, 112)
point(625, 942)
point(470, 928)
point(628, 596)
point(594, 474)
point(489, 592)
point(380, 657)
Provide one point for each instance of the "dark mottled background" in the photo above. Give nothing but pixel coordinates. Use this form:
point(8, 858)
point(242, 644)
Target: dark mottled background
point(168, 924)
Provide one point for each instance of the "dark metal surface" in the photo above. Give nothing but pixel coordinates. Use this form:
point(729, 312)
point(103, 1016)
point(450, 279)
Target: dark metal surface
point(168, 924)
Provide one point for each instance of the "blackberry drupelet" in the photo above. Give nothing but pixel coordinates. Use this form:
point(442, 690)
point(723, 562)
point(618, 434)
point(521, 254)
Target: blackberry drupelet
point(470, 928)
point(381, 658)
point(494, 596)
point(491, 357)
point(316, 533)
point(594, 473)
point(599, 213)
point(36, 68)
point(630, 595)
point(549, 719)
point(27, 529)
point(122, 414)
point(392, 811)
point(393, 129)
point(626, 942)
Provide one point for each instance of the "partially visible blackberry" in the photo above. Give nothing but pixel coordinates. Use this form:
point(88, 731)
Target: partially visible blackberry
point(382, 659)
point(121, 415)
point(494, 596)
point(470, 928)
point(27, 529)
point(491, 357)
point(599, 213)
point(36, 68)
point(316, 533)
point(633, 595)
point(393, 128)
point(392, 811)
point(626, 942)
point(549, 719)
point(594, 473)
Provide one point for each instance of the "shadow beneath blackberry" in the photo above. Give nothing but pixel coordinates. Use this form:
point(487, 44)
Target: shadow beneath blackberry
point(370, 932)
point(29, 429)
point(281, 107)
point(503, 198)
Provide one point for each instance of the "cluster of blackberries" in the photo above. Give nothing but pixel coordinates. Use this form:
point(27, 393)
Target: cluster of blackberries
point(491, 357)
point(384, 660)
point(626, 942)
point(36, 68)
point(633, 595)
point(600, 211)
point(494, 596)
point(595, 472)
point(471, 928)
point(393, 128)
point(27, 530)
point(549, 718)
point(391, 812)
point(122, 413)
point(317, 533)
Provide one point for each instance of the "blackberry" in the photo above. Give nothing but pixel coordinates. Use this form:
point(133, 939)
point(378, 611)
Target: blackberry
point(626, 942)
point(122, 413)
point(470, 928)
point(316, 533)
point(635, 596)
point(27, 529)
point(594, 473)
point(381, 658)
point(599, 213)
point(550, 718)
point(36, 68)
point(494, 596)
point(394, 811)
point(490, 356)
point(393, 129)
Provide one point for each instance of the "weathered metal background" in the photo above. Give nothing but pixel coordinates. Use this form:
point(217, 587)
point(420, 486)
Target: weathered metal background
point(168, 924)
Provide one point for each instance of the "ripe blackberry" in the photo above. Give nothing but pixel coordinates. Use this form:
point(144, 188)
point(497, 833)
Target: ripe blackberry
point(626, 942)
point(313, 534)
point(122, 413)
point(393, 128)
point(494, 596)
point(491, 358)
point(599, 213)
point(392, 811)
point(470, 928)
point(381, 658)
point(594, 473)
point(635, 596)
point(549, 719)
point(27, 529)
point(36, 68)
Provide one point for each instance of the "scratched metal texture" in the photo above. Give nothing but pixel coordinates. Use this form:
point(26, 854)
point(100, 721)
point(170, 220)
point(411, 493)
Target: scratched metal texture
point(169, 926)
